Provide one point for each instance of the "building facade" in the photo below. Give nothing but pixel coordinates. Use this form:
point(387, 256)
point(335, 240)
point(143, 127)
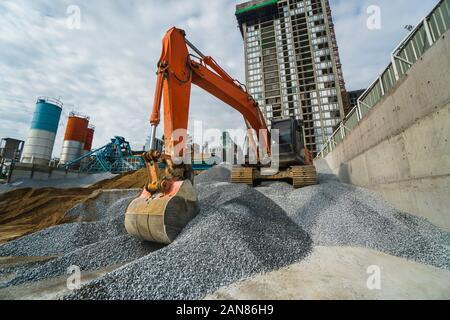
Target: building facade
point(292, 64)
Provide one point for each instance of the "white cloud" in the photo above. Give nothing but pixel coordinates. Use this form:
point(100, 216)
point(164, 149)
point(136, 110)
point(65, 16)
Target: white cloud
point(107, 68)
point(365, 53)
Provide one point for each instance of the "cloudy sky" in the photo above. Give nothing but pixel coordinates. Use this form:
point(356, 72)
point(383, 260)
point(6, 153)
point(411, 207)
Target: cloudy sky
point(106, 68)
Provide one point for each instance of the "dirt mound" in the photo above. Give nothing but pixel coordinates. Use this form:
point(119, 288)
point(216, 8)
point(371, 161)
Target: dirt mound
point(135, 179)
point(26, 211)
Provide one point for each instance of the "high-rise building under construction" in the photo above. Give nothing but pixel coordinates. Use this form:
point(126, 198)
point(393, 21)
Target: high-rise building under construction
point(292, 64)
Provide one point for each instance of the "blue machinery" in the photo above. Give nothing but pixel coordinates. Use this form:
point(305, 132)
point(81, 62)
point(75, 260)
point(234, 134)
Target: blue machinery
point(116, 157)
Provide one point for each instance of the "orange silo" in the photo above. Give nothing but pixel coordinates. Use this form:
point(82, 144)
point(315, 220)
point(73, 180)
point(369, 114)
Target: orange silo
point(89, 138)
point(75, 137)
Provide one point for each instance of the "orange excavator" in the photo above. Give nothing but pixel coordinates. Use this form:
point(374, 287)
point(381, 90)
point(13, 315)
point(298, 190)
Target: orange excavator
point(169, 201)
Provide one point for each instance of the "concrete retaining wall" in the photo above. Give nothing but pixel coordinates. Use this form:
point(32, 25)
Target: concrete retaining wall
point(402, 147)
point(23, 171)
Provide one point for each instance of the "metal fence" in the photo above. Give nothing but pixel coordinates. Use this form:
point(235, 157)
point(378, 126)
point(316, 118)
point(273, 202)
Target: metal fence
point(424, 35)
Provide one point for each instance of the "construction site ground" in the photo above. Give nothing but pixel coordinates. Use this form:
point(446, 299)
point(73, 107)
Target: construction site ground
point(27, 210)
point(271, 242)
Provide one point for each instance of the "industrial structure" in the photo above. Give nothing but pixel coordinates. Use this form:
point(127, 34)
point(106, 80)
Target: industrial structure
point(44, 126)
point(74, 137)
point(292, 64)
point(89, 139)
point(228, 149)
point(118, 157)
point(114, 157)
point(10, 152)
point(159, 144)
point(11, 149)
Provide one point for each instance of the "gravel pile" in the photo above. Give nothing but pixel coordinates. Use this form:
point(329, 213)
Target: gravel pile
point(247, 235)
point(65, 238)
point(243, 231)
point(118, 250)
point(103, 205)
point(217, 174)
point(240, 232)
point(88, 245)
point(7, 270)
point(336, 214)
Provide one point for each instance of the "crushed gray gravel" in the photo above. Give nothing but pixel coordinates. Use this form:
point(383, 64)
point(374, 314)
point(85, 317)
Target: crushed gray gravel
point(88, 245)
point(118, 250)
point(9, 272)
point(217, 174)
point(336, 214)
point(65, 238)
point(103, 205)
point(217, 248)
point(243, 231)
point(240, 232)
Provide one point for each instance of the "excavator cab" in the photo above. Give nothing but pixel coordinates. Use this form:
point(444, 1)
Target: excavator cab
point(291, 147)
point(294, 161)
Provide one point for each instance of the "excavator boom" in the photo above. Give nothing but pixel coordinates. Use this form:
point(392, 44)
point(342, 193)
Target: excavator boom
point(177, 71)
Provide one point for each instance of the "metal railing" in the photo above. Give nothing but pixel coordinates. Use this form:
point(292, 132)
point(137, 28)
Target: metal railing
point(53, 101)
point(410, 50)
point(77, 114)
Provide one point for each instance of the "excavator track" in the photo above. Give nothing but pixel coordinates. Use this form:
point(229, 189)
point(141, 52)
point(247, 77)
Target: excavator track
point(244, 175)
point(303, 176)
point(299, 176)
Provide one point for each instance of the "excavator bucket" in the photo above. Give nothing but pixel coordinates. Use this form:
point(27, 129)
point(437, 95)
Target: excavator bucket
point(161, 217)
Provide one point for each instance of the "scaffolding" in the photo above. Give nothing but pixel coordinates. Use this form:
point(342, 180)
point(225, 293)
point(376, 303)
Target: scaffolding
point(115, 157)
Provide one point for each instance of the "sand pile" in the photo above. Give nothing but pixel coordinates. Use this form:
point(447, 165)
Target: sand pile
point(24, 211)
